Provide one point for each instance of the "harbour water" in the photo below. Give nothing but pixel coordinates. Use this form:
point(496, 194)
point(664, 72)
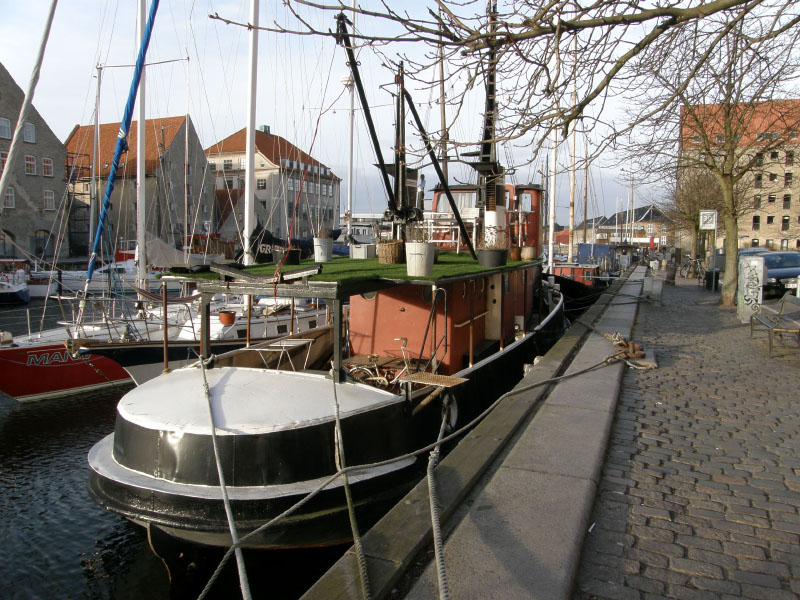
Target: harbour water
point(57, 543)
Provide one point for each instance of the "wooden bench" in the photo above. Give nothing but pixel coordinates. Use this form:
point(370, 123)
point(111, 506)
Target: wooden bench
point(778, 321)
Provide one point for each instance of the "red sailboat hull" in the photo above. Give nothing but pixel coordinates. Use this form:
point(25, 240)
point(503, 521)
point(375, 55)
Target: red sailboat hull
point(49, 371)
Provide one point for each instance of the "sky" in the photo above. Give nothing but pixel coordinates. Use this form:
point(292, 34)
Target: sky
point(300, 93)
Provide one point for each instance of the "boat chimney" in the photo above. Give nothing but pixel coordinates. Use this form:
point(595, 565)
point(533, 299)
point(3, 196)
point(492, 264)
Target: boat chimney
point(265, 129)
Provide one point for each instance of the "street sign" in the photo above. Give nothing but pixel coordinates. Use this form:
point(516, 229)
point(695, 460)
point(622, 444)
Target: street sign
point(708, 219)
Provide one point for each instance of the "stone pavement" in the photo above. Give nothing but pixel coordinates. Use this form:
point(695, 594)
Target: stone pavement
point(700, 491)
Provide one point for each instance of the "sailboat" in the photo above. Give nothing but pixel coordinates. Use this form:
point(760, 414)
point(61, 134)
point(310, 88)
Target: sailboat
point(404, 358)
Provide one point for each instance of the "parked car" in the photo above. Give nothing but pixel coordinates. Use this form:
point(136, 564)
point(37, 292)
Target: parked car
point(751, 251)
point(783, 268)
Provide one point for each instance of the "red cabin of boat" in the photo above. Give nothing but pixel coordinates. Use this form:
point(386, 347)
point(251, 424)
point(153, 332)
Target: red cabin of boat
point(521, 205)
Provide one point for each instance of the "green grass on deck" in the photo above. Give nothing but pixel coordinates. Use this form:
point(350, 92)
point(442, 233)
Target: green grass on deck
point(351, 270)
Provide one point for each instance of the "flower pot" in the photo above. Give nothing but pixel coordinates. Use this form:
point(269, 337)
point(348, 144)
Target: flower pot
point(515, 253)
point(390, 253)
point(528, 253)
point(227, 317)
point(292, 256)
point(323, 249)
point(492, 257)
point(419, 259)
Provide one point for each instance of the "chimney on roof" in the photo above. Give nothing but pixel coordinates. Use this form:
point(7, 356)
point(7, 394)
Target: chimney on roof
point(265, 129)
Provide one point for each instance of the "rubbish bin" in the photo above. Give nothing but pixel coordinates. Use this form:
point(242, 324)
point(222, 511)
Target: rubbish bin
point(670, 278)
point(712, 279)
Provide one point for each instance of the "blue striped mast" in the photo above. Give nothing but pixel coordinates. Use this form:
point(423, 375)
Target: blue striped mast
point(121, 146)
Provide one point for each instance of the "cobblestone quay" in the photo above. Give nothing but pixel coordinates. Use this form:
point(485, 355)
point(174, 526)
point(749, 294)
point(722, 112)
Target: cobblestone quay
point(700, 490)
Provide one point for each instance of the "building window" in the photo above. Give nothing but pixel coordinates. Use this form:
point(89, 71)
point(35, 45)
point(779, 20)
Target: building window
point(47, 167)
point(3, 159)
point(773, 177)
point(227, 164)
point(785, 223)
point(787, 201)
point(773, 155)
point(649, 228)
point(754, 243)
point(30, 165)
point(771, 244)
point(290, 184)
point(242, 163)
point(789, 158)
point(770, 220)
point(189, 170)
point(49, 200)
point(189, 192)
point(756, 202)
point(29, 133)
point(10, 201)
point(229, 184)
point(759, 181)
point(787, 180)
point(261, 184)
point(784, 244)
point(756, 222)
point(212, 166)
point(5, 128)
point(759, 159)
point(771, 198)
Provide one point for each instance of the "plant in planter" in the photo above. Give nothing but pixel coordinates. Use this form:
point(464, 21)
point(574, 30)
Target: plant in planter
point(323, 245)
point(492, 251)
point(420, 251)
point(390, 251)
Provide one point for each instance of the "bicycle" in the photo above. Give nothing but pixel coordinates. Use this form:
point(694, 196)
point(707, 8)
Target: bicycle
point(373, 374)
point(693, 267)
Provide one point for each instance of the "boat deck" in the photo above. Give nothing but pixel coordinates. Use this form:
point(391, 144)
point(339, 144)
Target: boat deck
point(343, 277)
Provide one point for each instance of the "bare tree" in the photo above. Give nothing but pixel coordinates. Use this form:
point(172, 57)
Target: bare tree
point(696, 190)
point(533, 46)
point(722, 119)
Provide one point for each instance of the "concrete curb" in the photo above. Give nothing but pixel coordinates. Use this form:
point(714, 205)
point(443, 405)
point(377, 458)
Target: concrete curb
point(564, 487)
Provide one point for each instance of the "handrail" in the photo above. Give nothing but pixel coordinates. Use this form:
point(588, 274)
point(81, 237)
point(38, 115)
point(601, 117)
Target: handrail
point(471, 320)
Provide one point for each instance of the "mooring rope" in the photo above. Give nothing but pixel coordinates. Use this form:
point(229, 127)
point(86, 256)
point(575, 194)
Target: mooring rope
point(340, 464)
point(433, 499)
point(344, 470)
point(245, 585)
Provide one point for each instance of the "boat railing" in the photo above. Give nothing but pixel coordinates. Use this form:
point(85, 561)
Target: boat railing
point(283, 348)
point(443, 228)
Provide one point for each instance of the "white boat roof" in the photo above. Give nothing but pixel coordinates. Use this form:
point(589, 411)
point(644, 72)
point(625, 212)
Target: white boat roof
point(244, 401)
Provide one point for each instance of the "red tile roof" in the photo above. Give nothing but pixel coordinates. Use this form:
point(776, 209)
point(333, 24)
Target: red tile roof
point(273, 147)
point(749, 120)
point(80, 145)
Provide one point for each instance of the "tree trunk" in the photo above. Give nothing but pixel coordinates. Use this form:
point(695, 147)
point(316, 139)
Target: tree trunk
point(731, 259)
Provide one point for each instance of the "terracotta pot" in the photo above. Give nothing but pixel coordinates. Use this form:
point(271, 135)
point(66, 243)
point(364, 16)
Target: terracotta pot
point(515, 253)
point(227, 317)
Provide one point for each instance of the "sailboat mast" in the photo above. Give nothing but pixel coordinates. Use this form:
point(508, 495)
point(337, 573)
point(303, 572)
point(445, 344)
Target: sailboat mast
point(585, 196)
point(250, 139)
point(186, 213)
point(400, 192)
point(141, 129)
point(573, 150)
point(351, 85)
point(93, 199)
point(442, 111)
point(551, 201)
